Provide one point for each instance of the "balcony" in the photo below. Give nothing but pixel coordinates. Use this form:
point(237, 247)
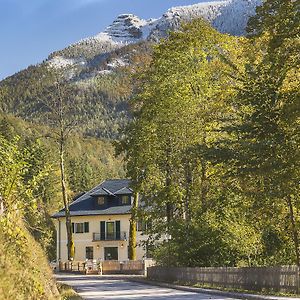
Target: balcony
point(110, 236)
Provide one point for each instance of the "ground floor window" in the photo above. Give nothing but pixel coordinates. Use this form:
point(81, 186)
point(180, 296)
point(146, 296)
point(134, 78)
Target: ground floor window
point(89, 253)
point(111, 253)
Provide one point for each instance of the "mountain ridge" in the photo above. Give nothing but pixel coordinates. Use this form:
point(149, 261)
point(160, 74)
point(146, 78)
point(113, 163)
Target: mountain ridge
point(96, 66)
point(227, 16)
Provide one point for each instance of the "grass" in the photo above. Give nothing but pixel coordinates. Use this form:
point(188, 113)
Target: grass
point(237, 290)
point(67, 293)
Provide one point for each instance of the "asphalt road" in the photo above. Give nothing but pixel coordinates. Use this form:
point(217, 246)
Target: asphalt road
point(116, 287)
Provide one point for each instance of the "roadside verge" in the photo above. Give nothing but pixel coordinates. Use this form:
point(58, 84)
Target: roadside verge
point(211, 291)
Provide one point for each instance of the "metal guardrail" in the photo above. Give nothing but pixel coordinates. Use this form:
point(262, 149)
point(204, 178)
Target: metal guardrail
point(110, 236)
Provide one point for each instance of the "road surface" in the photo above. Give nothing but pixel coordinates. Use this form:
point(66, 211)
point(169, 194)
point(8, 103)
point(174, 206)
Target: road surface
point(117, 287)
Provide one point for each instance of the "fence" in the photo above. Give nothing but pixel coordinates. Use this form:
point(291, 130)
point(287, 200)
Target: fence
point(106, 267)
point(126, 267)
point(279, 279)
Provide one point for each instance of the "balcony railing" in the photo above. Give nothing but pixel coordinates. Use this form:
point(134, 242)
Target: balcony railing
point(110, 236)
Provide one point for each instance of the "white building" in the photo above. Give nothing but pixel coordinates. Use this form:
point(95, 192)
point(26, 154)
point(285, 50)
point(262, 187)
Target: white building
point(100, 221)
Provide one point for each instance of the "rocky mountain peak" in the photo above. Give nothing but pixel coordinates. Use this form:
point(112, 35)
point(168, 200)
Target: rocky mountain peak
point(227, 16)
point(126, 27)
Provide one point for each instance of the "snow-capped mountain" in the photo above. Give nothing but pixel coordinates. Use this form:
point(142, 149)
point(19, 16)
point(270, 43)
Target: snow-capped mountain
point(228, 16)
point(96, 68)
point(126, 28)
point(172, 19)
point(233, 16)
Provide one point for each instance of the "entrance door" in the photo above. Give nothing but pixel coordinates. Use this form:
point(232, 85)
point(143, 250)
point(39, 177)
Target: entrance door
point(89, 252)
point(111, 253)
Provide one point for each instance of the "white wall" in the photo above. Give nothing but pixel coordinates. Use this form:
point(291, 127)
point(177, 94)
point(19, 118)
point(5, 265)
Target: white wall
point(83, 240)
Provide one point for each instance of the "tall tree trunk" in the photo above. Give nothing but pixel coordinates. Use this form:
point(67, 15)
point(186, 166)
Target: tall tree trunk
point(169, 204)
point(204, 185)
point(188, 191)
point(132, 229)
point(294, 229)
point(70, 242)
point(1, 206)
point(204, 180)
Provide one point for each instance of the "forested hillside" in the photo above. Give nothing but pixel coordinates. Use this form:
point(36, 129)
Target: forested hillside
point(27, 192)
point(98, 69)
point(89, 161)
point(30, 191)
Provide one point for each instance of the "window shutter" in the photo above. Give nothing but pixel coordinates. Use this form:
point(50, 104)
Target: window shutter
point(73, 227)
point(86, 227)
point(118, 230)
point(102, 230)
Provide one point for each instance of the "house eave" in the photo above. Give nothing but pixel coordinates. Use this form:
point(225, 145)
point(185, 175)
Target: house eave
point(56, 216)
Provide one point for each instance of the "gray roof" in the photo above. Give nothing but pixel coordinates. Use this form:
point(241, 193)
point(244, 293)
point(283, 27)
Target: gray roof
point(113, 189)
point(116, 210)
point(112, 186)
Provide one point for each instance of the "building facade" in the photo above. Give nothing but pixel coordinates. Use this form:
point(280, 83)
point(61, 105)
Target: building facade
point(100, 224)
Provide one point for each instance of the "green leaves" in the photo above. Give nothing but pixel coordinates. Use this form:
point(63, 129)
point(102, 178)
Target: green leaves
point(265, 139)
point(24, 270)
point(181, 104)
point(13, 168)
point(214, 142)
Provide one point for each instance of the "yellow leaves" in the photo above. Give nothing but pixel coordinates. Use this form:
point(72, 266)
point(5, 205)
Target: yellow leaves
point(25, 274)
point(291, 82)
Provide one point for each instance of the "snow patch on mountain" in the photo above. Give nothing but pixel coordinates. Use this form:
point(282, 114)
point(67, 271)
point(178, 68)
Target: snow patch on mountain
point(126, 28)
point(104, 72)
point(208, 10)
point(59, 62)
point(116, 63)
point(227, 16)
point(233, 16)
point(172, 19)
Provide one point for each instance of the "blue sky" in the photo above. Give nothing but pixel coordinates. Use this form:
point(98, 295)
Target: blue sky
point(31, 29)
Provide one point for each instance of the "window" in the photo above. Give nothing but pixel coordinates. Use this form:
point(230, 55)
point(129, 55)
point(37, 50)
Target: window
point(80, 227)
point(89, 252)
point(111, 253)
point(101, 200)
point(125, 200)
point(110, 231)
point(86, 227)
point(141, 226)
